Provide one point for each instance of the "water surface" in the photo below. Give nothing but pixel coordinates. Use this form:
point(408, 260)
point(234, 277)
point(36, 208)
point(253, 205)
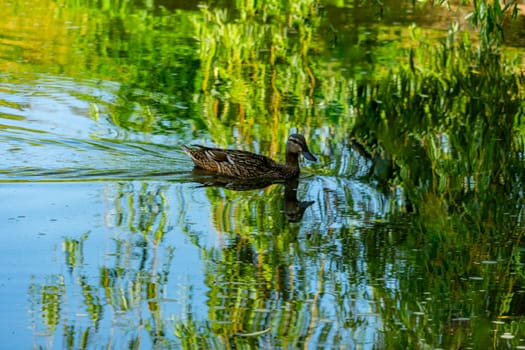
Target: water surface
point(406, 232)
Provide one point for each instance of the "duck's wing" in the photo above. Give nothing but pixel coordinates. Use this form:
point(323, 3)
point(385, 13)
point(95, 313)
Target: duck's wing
point(230, 162)
point(211, 154)
point(205, 157)
point(244, 164)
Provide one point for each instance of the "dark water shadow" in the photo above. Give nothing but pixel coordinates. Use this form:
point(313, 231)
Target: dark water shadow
point(293, 208)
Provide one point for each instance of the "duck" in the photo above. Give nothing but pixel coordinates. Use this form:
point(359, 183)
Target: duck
point(247, 165)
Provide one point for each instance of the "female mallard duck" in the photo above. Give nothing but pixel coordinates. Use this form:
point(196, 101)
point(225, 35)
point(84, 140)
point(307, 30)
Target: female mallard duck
point(247, 165)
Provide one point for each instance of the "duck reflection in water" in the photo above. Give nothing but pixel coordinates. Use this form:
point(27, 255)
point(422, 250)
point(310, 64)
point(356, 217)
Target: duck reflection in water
point(241, 170)
point(293, 208)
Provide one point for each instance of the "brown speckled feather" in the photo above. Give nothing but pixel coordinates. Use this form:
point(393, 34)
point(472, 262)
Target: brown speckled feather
point(243, 164)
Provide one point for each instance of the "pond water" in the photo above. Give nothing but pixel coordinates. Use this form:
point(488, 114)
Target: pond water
point(406, 233)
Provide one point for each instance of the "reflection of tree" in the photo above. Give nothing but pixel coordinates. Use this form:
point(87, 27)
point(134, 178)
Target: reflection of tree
point(273, 296)
point(275, 283)
point(442, 134)
point(447, 133)
point(127, 286)
point(136, 276)
point(46, 305)
point(466, 157)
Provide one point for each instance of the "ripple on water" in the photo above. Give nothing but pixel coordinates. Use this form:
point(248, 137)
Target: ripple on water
point(49, 131)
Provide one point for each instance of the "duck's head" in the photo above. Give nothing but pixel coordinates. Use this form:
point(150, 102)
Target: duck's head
point(297, 144)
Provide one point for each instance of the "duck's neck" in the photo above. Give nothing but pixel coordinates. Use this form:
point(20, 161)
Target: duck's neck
point(292, 160)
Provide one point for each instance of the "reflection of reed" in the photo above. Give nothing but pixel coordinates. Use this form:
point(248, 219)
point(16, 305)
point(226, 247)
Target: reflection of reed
point(129, 285)
point(134, 277)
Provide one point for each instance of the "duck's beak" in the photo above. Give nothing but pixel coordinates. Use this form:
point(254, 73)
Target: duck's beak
point(308, 155)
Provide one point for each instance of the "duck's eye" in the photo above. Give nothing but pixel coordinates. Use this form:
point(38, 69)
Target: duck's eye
point(297, 142)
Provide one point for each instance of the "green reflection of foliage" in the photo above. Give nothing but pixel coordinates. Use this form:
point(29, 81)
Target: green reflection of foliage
point(446, 130)
point(448, 134)
point(74, 259)
point(91, 300)
point(256, 211)
point(256, 67)
point(275, 296)
point(136, 277)
point(47, 300)
point(126, 286)
point(443, 129)
point(73, 250)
